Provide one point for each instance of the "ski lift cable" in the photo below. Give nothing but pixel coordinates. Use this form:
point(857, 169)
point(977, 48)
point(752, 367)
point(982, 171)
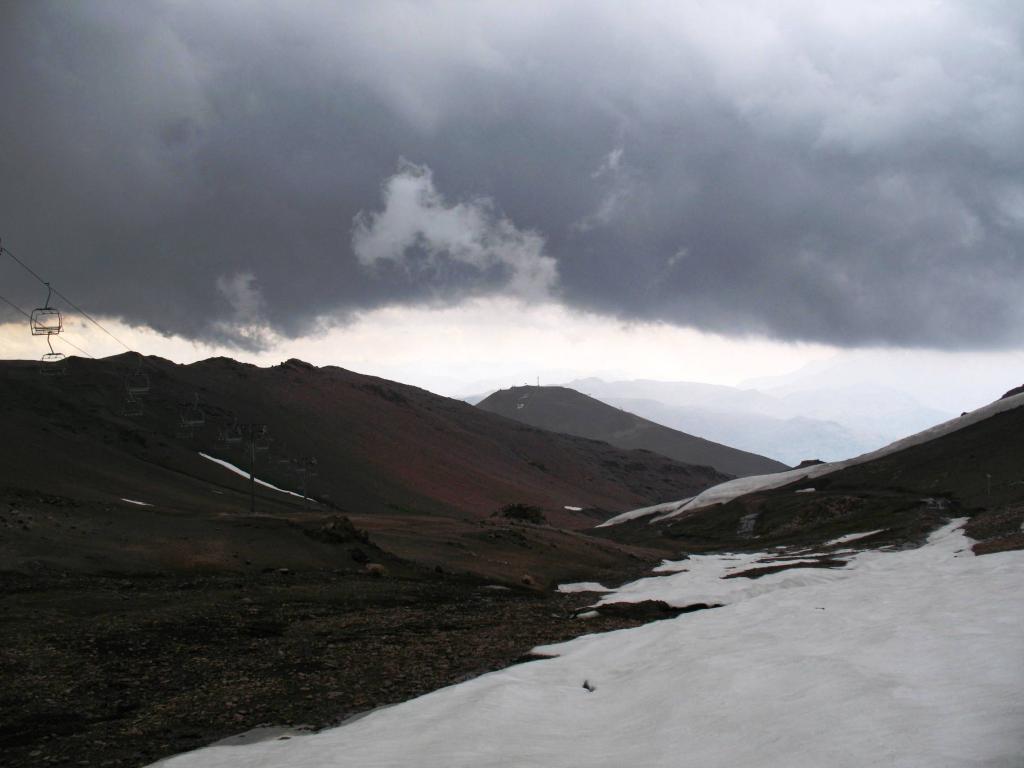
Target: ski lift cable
point(74, 306)
point(11, 304)
point(71, 344)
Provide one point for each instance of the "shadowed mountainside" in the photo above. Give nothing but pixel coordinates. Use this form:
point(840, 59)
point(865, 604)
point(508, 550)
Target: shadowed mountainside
point(560, 409)
point(417, 470)
point(976, 472)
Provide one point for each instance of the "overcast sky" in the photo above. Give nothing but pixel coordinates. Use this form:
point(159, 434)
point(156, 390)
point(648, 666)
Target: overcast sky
point(817, 176)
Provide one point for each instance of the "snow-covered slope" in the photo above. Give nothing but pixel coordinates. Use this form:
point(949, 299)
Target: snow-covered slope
point(733, 489)
point(909, 658)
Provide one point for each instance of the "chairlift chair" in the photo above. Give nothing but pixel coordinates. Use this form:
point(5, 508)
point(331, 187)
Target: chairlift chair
point(46, 320)
point(137, 383)
point(52, 364)
point(192, 415)
point(131, 407)
point(261, 442)
point(232, 435)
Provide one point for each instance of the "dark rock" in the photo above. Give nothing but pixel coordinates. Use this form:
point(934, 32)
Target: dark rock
point(649, 610)
point(1014, 391)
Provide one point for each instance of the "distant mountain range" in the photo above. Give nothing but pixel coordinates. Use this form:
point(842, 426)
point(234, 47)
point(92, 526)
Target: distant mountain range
point(561, 409)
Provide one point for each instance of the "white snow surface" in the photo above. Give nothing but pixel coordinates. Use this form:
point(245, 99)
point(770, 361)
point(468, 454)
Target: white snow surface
point(733, 489)
point(583, 586)
point(851, 537)
point(912, 659)
point(667, 507)
point(243, 473)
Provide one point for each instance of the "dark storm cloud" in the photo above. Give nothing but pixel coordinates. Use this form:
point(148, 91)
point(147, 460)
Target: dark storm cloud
point(843, 174)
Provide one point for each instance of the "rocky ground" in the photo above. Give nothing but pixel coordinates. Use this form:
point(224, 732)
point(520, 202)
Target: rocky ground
point(124, 670)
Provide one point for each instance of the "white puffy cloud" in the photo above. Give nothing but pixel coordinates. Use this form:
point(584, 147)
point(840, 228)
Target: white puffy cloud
point(416, 217)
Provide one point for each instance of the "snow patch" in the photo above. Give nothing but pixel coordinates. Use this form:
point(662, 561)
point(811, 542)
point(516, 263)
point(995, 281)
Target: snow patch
point(633, 514)
point(851, 537)
point(139, 503)
point(583, 586)
point(243, 473)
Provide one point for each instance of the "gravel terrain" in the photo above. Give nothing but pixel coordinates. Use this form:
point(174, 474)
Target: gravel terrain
point(124, 670)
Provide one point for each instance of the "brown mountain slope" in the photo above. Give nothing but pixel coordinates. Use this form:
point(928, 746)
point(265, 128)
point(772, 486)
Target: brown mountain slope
point(380, 445)
point(560, 409)
point(420, 472)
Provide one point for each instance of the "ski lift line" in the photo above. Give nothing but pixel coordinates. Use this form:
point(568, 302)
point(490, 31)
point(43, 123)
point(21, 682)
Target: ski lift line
point(74, 306)
point(14, 306)
point(75, 346)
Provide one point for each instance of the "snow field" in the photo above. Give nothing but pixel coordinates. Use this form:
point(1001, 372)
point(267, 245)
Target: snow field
point(911, 658)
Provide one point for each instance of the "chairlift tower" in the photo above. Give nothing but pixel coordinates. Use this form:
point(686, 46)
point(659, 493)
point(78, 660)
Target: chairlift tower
point(252, 434)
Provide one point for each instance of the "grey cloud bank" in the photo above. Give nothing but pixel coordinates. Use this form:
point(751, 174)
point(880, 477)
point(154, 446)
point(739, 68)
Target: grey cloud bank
point(845, 173)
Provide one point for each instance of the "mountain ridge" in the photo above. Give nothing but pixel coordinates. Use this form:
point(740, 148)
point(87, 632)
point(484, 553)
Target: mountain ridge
point(562, 409)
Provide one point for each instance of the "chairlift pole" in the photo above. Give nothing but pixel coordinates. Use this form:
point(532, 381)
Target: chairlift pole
point(250, 431)
point(252, 471)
